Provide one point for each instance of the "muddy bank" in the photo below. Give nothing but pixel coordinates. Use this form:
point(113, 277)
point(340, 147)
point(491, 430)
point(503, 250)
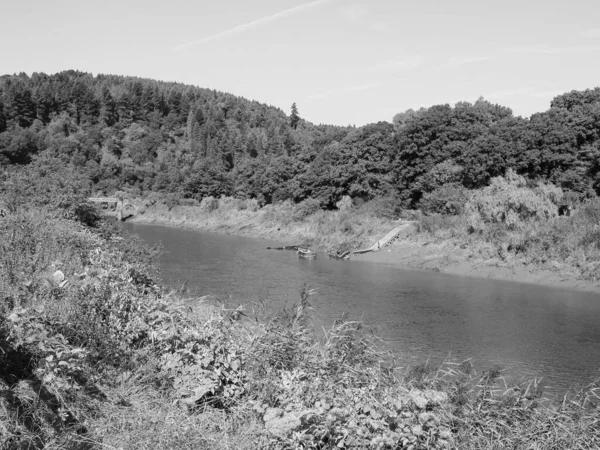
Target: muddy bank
point(447, 258)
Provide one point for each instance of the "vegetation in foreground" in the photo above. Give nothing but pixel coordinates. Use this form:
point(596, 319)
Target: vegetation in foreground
point(95, 354)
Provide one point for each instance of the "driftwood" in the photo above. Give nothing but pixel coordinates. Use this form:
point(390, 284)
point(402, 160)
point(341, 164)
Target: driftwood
point(287, 247)
point(341, 256)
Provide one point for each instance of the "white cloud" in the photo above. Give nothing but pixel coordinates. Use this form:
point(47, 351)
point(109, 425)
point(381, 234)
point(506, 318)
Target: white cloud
point(253, 24)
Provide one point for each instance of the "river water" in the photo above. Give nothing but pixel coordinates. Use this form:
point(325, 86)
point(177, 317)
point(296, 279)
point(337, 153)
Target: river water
point(529, 330)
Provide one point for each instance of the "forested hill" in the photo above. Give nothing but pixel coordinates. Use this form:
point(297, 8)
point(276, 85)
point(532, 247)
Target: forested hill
point(126, 133)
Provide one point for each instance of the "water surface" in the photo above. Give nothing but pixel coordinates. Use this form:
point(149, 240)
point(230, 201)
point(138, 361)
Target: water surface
point(530, 330)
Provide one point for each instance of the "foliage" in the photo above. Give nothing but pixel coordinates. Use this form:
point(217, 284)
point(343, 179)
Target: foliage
point(383, 208)
point(143, 135)
point(507, 200)
point(209, 204)
point(94, 354)
point(305, 208)
point(448, 199)
point(344, 204)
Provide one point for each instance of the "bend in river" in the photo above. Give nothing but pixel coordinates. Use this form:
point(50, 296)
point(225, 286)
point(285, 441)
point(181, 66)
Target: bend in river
point(530, 330)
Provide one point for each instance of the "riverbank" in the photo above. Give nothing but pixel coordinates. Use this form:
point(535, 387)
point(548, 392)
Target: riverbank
point(331, 232)
point(451, 259)
point(327, 232)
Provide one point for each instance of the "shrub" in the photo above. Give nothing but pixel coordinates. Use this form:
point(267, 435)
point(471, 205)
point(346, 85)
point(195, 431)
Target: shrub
point(345, 203)
point(449, 199)
point(508, 200)
point(436, 222)
point(382, 208)
point(228, 203)
point(305, 208)
point(87, 214)
point(590, 211)
point(248, 204)
point(209, 204)
point(171, 200)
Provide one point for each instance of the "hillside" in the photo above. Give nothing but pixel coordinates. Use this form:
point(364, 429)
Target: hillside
point(141, 135)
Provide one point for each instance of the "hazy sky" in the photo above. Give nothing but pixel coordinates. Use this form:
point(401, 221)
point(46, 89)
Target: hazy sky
point(342, 61)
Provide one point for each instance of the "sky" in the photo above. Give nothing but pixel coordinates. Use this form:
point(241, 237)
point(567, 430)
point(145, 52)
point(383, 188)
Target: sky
point(342, 62)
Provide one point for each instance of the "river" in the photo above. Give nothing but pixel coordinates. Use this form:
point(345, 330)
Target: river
point(529, 330)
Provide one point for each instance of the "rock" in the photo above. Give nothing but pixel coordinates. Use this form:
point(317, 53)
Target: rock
point(58, 277)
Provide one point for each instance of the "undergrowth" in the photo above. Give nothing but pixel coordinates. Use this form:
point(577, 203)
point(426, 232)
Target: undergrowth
point(94, 354)
point(510, 224)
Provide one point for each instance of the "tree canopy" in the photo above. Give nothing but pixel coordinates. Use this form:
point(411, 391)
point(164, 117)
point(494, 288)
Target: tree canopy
point(146, 135)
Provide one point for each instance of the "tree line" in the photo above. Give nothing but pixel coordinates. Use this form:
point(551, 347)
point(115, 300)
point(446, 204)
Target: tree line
point(146, 135)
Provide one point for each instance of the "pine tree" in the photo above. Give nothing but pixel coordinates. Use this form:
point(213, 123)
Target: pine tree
point(294, 118)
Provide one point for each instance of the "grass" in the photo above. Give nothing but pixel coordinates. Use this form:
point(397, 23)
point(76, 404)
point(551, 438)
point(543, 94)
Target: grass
point(329, 231)
point(109, 360)
point(567, 246)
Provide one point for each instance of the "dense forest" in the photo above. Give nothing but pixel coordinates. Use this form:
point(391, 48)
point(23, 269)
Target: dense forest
point(140, 135)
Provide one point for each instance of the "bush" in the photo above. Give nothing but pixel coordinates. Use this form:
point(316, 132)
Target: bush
point(590, 211)
point(305, 208)
point(449, 199)
point(87, 214)
point(228, 203)
point(508, 200)
point(383, 208)
point(437, 222)
point(249, 204)
point(344, 204)
point(209, 204)
point(252, 204)
point(171, 200)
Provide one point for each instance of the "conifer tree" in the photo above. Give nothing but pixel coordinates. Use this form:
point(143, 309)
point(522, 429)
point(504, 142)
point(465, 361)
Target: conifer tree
point(294, 117)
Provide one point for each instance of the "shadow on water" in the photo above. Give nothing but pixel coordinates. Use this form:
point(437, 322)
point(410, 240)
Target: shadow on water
point(530, 330)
